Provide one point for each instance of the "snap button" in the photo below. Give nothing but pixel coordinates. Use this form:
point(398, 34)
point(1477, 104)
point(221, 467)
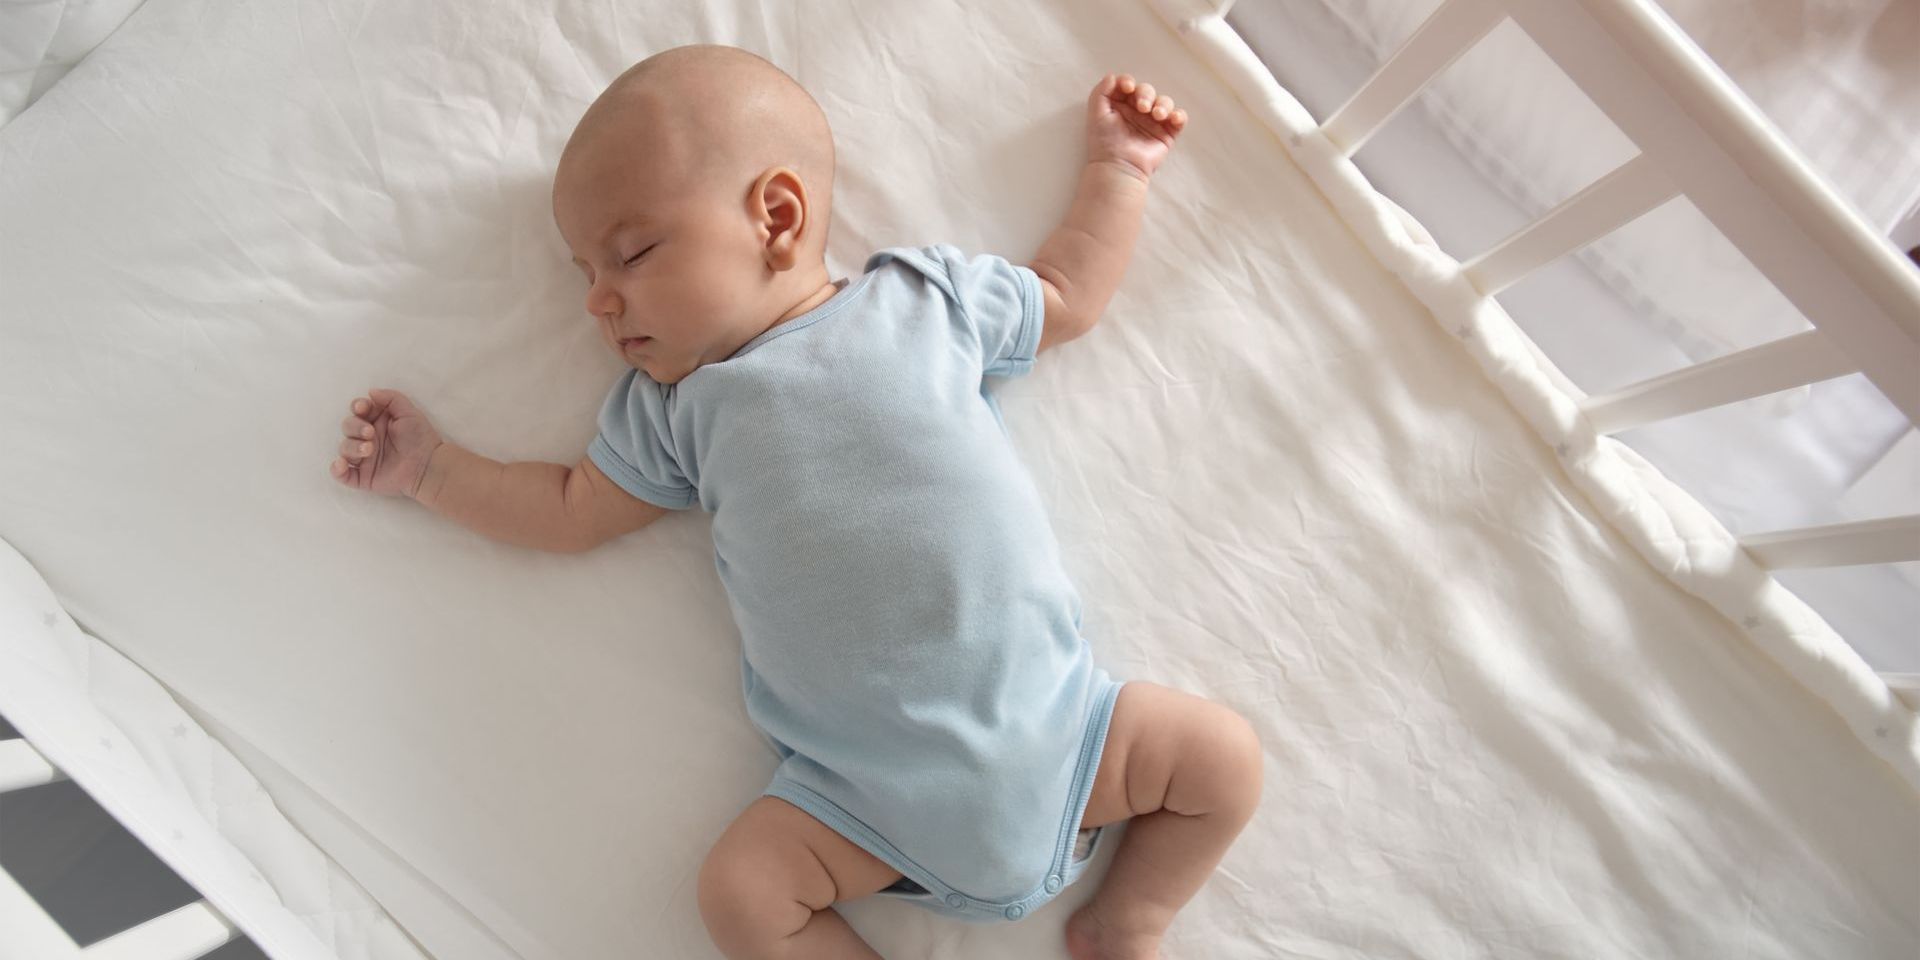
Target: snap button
point(1016, 911)
point(1053, 884)
point(956, 901)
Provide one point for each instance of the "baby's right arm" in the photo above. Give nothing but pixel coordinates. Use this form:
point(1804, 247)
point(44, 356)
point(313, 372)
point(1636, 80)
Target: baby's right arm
point(1130, 131)
point(392, 448)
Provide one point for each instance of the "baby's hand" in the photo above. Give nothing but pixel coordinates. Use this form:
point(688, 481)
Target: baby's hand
point(1128, 123)
point(388, 444)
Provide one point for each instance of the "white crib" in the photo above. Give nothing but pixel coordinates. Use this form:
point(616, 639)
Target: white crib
point(1697, 137)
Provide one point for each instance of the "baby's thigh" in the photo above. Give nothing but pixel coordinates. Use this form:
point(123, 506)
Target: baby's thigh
point(775, 855)
point(1167, 749)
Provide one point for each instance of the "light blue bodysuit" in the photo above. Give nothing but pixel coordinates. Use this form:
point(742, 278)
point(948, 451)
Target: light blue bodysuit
point(911, 643)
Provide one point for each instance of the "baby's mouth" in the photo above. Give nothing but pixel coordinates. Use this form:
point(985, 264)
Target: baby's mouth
point(628, 343)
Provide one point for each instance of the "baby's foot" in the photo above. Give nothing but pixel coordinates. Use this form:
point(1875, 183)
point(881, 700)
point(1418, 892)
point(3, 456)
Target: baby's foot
point(1091, 938)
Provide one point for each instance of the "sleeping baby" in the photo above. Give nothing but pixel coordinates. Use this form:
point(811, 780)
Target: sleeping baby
point(911, 643)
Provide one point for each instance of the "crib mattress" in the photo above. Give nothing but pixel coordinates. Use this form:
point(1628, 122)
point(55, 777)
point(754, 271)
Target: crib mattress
point(1492, 727)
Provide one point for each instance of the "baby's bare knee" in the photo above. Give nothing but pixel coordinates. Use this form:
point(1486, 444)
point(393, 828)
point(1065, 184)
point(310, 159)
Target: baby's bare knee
point(1232, 759)
point(741, 912)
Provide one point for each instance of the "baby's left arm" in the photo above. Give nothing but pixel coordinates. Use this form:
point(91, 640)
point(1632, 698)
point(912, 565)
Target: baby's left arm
point(1129, 132)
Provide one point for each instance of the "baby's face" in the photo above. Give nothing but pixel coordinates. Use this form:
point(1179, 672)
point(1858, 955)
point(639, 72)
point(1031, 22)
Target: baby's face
point(675, 278)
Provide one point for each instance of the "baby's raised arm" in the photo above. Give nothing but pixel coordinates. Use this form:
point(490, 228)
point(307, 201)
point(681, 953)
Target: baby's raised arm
point(1130, 130)
point(390, 447)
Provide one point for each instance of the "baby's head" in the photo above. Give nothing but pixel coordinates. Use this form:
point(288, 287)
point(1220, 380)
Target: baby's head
point(694, 195)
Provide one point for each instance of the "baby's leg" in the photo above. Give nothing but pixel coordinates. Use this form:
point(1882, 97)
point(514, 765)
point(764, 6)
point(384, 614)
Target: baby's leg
point(1189, 770)
point(768, 886)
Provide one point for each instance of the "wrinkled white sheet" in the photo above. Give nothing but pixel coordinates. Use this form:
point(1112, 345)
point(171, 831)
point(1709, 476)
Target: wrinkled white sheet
point(41, 40)
point(1491, 727)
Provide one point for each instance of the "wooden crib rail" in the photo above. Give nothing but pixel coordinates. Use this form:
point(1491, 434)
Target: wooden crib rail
point(1609, 203)
point(1771, 367)
point(28, 933)
point(1888, 540)
point(23, 766)
point(1450, 32)
point(1698, 136)
point(1738, 171)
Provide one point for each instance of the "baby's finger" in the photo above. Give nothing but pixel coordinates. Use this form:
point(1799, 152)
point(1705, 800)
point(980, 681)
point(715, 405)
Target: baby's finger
point(1100, 101)
point(384, 399)
point(346, 474)
point(356, 427)
point(1162, 106)
point(1143, 97)
point(355, 450)
point(1125, 83)
point(361, 407)
point(1178, 121)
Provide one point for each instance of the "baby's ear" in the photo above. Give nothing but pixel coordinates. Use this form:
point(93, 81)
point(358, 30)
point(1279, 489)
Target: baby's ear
point(780, 209)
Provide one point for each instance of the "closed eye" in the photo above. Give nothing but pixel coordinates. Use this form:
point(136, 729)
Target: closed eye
point(630, 261)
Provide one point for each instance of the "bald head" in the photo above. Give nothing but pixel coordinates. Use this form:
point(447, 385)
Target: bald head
point(694, 197)
point(707, 118)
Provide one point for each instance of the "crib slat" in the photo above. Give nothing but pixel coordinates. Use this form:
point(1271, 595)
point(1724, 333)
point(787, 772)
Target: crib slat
point(1451, 31)
point(28, 933)
point(1743, 175)
point(25, 929)
point(1606, 205)
point(1888, 540)
point(1755, 372)
point(192, 931)
point(23, 766)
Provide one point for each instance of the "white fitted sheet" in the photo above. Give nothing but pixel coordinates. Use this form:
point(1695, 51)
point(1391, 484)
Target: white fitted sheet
point(1492, 728)
point(40, 40)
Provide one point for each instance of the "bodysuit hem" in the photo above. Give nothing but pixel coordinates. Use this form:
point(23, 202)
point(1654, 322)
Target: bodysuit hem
point(941, 898)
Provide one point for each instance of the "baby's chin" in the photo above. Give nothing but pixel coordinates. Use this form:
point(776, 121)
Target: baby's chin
point(658, 372)
point(654, 369)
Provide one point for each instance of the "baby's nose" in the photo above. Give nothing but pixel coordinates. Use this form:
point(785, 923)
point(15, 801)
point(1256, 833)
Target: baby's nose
point(603, 303)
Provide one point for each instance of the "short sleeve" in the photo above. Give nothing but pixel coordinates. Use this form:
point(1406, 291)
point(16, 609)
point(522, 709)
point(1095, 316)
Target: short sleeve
point(1000, 302)
point(633, 447)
